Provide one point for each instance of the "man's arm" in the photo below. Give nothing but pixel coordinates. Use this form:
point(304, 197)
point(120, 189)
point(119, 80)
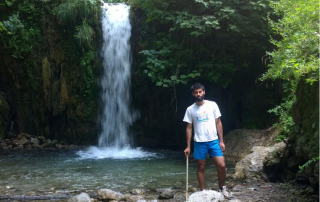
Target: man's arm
point(188, 136)
point(220, 133)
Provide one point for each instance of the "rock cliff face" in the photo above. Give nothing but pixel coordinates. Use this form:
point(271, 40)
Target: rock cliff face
point(48, 89)
point(241, 141)
point(261, 159)
point(303, 143)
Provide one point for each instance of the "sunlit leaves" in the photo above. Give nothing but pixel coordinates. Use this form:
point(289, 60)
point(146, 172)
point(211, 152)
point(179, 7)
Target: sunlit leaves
point(298, 50)
point(2, 27)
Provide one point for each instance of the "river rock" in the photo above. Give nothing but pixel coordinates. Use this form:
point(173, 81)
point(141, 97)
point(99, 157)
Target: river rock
point(137, 191)
point(134, 198)
point(34, 141)
point(251, 167)
point(108, 194)
point(206, 196)
point(23, 141)
point(166, 194)
point(83, 197)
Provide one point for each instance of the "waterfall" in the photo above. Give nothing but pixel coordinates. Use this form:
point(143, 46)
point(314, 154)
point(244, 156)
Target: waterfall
point(115, 82)
point(116, 118)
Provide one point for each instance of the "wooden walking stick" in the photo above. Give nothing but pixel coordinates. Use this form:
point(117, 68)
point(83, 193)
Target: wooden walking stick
point(187, 173)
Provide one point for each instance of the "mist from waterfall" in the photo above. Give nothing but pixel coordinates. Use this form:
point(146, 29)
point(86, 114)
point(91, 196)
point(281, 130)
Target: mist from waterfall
point(116, 116)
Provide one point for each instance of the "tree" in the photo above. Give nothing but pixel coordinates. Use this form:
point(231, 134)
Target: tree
point(297, 53)
point(187, 39)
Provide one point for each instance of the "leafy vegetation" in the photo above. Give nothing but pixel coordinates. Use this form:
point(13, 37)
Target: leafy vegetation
point(315, 159)
point(82, 14)
point(188, 39)
point(297, 51)
point(18, 33)
point(65, 34)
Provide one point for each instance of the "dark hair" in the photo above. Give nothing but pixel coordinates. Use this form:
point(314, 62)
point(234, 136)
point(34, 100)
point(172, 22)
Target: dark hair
point(197, 86)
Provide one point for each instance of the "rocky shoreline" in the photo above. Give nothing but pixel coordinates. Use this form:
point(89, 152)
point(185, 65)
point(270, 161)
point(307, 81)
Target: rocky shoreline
point(24, 141)
point(251, 185)
point(253, 192)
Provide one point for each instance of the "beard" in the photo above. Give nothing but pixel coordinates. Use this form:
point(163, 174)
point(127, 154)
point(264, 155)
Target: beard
point(199, 99)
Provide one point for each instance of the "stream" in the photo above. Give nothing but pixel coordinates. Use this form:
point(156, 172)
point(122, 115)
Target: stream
point(75, 171)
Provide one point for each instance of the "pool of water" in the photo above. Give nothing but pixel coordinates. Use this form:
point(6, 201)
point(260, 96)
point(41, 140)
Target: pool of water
point(75, 171)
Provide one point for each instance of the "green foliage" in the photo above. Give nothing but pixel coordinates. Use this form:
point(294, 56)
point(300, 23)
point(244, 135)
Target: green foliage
point(297, 50)
point(7, 3)
point(2, 27)
point(315, 159)
point(114, 1)
point(85, 34)
point(81, 14)
point(88, 73)
point(199, 39)
point(284, 110)
point(19, 38)
point(280, 138)
point(285, 120)
point(74, 11)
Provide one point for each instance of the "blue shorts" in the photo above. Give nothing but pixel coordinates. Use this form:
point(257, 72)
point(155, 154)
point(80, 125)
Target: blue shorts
point(201, 149)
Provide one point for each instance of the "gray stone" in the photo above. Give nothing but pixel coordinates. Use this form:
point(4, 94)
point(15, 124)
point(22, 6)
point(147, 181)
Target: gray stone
point(23, 141)
point(83, 197)
point(134, 198)
point(166, 194)
point(137, 191)
point(34, 141)
point(108, 194)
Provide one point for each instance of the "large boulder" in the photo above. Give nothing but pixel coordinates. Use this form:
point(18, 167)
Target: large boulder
point(239, 142)
point(251, 168)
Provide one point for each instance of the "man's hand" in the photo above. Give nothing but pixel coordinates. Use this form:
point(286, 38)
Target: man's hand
point(187, 152)
point(222, 146)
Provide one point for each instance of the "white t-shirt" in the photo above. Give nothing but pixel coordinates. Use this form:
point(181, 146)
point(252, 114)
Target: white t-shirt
point(203, 119)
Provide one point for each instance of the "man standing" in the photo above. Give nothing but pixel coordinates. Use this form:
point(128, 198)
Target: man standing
point(205, 117)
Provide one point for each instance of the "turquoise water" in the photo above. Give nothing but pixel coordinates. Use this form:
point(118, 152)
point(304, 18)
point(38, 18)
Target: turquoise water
point(70, 172)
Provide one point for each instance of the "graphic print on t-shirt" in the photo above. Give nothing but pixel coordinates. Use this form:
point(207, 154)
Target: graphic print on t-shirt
point(202, 117)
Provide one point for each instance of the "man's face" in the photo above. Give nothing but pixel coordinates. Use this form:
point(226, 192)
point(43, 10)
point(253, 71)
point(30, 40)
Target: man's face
point(198, 94)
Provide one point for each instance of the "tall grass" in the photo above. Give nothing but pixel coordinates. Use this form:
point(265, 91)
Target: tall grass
point(73, 11)
point(85, 34)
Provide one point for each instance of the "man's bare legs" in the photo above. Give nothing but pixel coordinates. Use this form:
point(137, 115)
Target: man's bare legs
point(221, 166)
point(200, 173)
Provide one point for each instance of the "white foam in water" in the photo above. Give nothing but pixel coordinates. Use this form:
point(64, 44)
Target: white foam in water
point(114, 153)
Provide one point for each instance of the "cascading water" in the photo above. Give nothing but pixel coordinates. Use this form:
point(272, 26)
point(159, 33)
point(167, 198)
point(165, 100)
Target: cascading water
point(115, 82)
point(114, 141)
